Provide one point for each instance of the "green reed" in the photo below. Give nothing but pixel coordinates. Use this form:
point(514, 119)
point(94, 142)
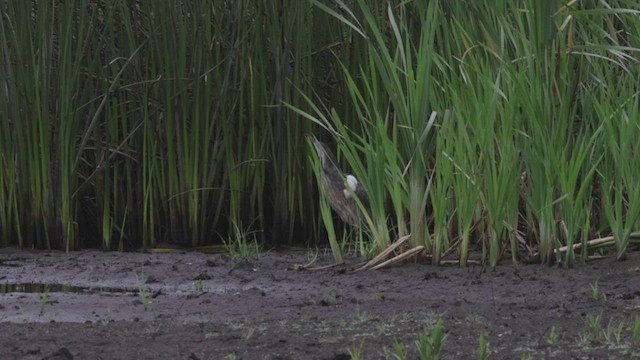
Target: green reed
point(620, 188)
point(513, 79)
point(478, 128)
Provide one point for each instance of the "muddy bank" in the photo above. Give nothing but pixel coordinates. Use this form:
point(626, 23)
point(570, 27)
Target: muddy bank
point(188, 305)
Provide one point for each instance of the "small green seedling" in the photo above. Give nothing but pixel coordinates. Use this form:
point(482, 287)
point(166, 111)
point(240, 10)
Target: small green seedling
point(593, 324)
point(635, 331)
point(356, 351)
point(199, 285)
point(595, 292)
point(143, 293)
point(430, 347)
point(552, 337)
point(483, 347)
point(45, 297)
point(399, 350)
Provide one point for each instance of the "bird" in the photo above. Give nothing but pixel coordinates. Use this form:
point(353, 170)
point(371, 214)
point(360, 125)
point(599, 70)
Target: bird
point(340, 188)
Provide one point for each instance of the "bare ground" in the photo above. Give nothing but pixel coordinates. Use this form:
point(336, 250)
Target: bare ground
point(199, 306)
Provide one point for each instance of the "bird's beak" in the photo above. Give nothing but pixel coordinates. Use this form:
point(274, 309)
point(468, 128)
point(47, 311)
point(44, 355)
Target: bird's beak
point(314, 140)
point(319, 147)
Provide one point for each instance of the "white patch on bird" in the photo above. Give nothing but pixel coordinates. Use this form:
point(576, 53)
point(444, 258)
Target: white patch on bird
point(352, 183)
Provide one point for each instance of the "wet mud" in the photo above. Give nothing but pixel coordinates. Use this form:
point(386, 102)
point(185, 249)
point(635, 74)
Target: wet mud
point(189, 305)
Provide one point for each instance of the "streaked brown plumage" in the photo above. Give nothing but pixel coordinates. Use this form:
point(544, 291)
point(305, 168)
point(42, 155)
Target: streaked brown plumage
point(336, 186)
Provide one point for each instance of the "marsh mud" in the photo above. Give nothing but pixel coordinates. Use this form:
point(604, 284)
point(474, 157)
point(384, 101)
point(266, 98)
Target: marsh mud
point(189, 305)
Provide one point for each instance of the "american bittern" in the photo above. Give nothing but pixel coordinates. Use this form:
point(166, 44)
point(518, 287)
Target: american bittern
point(340, 188)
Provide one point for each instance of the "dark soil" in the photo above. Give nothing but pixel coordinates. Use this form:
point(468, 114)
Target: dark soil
point(199, 306)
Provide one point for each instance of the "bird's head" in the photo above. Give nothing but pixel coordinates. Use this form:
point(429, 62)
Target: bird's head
point(324, 153)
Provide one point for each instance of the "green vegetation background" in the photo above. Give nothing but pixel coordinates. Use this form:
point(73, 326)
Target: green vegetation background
point(506, 127)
